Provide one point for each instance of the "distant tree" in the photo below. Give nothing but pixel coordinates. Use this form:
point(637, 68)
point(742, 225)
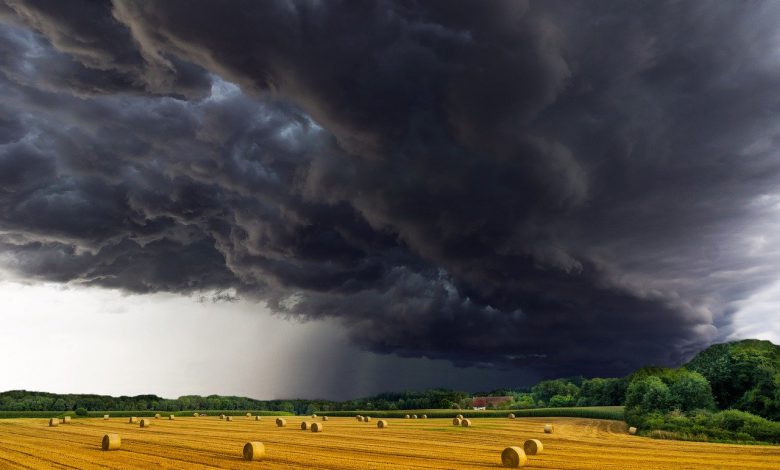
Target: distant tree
point(546, 389)
point(602, 392)
point(561, 400)
point(524, 400)
point(287, 406)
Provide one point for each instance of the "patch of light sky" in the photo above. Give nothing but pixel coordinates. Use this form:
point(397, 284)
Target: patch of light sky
point(68, 339)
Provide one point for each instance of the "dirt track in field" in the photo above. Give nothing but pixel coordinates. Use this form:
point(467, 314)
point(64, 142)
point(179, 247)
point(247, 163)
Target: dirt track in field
point(209, 442)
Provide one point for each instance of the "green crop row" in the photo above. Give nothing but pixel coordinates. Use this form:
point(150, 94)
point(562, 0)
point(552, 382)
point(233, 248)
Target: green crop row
point(594, 412)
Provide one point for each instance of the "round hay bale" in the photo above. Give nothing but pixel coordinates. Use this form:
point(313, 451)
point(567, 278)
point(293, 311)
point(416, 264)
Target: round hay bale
point(456, 421)
point(228, 418)
point(366, 419)
point(316, 427)
point(511, 416)
point(171, 417)
point(145, 423)
point(533, 447)
point(304, 426)
point(381, 424)
point(281, 422)
point(221, 416)
point(548, 428)
point(249, 415)
point(632, 430)
point(105, 417)
point(54, 422)
point(314, 415)
point(132, 420)
point(253, 451)
point(324, 418)
point(195, 415)
point(466, 423)
point(111, 442)
point(424, 416)
point(459, 416)
point(157, 416)
point(204, 414)
point(257, 418)
point(407, 417)
point(414, 416)
point(513, 457)
point(66, 420)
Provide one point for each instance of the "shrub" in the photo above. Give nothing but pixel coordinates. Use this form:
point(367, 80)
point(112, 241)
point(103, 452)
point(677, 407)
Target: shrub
point(81, 412)
point(729, 426)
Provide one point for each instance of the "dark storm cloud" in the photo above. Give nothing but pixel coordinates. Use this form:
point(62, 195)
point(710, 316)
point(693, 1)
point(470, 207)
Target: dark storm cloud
point(495, 183)
point(94, 53)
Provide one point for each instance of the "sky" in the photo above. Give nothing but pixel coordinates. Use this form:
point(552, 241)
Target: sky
point(330, 199)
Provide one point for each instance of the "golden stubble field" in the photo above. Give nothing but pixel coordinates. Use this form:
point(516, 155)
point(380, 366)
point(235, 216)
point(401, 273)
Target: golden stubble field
point(208, 442)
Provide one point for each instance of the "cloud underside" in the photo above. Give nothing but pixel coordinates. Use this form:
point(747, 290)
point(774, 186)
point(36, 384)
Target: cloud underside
point(576, 188)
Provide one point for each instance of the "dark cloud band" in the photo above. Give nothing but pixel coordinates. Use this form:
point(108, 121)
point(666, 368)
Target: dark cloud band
point(498, 183)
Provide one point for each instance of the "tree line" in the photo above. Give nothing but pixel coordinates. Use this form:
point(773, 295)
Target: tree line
point(23, 400)
point(728, 392)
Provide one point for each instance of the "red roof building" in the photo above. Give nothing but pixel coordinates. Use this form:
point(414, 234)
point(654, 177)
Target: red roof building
point(485, 402)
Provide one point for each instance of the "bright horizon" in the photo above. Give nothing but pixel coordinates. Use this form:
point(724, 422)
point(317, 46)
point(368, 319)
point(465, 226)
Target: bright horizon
point(99, 341)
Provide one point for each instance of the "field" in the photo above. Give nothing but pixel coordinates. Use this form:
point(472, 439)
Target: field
point(208, 442)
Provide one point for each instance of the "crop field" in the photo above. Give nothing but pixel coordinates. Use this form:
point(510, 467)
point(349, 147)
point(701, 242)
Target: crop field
point(345, 443)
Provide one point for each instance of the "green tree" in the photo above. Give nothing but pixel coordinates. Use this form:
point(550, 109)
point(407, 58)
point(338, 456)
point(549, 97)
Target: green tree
point(561, 400)
point(764, 398)
point(690, 391)
point(524, 400)
point(646, 395)
point(602, 392)
point(546, 389)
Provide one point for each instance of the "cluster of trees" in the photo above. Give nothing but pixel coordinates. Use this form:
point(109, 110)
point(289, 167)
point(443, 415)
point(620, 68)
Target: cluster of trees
point(664, 390)
point(728, 392)
point(744, 375)
point(576, 391)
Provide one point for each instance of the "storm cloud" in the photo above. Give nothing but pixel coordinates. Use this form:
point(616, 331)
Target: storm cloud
point(583, 187)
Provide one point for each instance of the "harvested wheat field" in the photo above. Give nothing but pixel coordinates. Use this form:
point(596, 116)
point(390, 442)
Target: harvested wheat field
point(208, 442)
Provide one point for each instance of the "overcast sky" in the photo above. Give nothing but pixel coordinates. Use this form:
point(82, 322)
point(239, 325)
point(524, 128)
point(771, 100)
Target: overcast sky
point(382, 195)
